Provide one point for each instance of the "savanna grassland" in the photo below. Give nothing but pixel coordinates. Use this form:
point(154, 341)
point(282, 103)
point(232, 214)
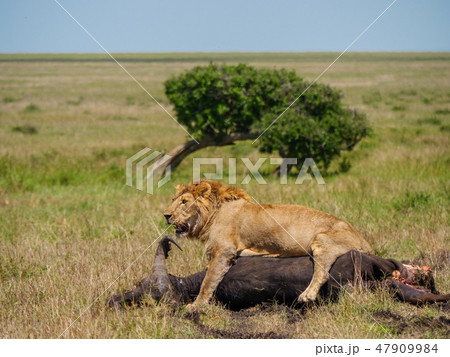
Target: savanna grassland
point(69, 226)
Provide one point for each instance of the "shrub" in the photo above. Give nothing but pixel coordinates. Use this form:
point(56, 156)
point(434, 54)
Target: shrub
point(215, 103)
point(31, 108)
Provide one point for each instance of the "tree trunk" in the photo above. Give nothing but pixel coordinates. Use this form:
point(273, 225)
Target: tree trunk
point(277, 171)
point(179, 153)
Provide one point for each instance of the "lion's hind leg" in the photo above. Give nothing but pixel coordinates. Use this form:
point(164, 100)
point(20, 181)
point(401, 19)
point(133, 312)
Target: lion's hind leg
point(325, 252)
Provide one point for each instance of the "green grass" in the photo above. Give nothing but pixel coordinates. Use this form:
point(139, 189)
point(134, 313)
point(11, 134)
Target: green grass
point(30, 108)
point(69, 225)
point(25, 129)
point(432, 121)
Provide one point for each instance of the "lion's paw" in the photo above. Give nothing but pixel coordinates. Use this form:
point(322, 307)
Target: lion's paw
point(307, 296)
point(193, 307)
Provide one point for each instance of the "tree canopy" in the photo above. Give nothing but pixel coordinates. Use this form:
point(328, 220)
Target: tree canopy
point(219, 104)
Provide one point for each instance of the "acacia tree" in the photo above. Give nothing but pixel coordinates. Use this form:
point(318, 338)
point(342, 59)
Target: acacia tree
point(219, 105)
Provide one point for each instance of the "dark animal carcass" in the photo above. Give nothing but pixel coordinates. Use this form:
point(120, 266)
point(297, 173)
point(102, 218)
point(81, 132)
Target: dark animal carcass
point(255, 280)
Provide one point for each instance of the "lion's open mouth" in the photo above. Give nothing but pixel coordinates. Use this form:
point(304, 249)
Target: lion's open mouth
point(180, 228)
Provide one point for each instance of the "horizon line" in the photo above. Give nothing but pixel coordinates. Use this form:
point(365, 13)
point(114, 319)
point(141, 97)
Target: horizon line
point(223, 52)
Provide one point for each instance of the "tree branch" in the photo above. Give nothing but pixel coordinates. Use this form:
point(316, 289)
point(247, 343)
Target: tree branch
point(179, 153)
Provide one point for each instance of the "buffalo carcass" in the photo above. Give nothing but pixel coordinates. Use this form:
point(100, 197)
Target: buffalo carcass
point(256, 279)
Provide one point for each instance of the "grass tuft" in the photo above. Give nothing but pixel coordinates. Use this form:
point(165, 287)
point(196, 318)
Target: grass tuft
point(442, 111)
point(413, 200)
point(25, 129)
point(10, 99)
point(398, 108)
point(30, 108)
point(431, 121)
point(372, 98)
point(75, 102)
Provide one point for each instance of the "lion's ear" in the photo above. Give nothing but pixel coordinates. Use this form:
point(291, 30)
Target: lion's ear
point(180, 187)
point(203, 189)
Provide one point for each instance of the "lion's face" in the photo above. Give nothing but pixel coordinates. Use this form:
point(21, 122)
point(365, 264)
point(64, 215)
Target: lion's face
point(185, 211)
point(193, 207)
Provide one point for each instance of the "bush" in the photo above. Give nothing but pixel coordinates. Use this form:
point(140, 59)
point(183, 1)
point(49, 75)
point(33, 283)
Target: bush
point(218, 101)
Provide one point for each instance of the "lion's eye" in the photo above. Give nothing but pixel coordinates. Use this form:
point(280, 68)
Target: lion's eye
point(183, 202)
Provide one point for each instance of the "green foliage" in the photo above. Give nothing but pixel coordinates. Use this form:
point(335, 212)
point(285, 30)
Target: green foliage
point(345, 165)
point(25, 129)
point(301, 134)
point(431, 121)
point(417, 201)
point(398, 108)
point(31, 108)
point(442, 111)
point(10, 100)
point(219, 100)
point(316, 126)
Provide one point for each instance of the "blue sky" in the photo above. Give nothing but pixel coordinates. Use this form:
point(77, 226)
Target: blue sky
point(225, 25)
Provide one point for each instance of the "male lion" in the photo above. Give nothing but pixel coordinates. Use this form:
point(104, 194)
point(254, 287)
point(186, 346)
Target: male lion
point(228, 222)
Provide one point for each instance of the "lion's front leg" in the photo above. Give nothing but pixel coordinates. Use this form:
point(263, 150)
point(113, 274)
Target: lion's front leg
point(218, 266)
